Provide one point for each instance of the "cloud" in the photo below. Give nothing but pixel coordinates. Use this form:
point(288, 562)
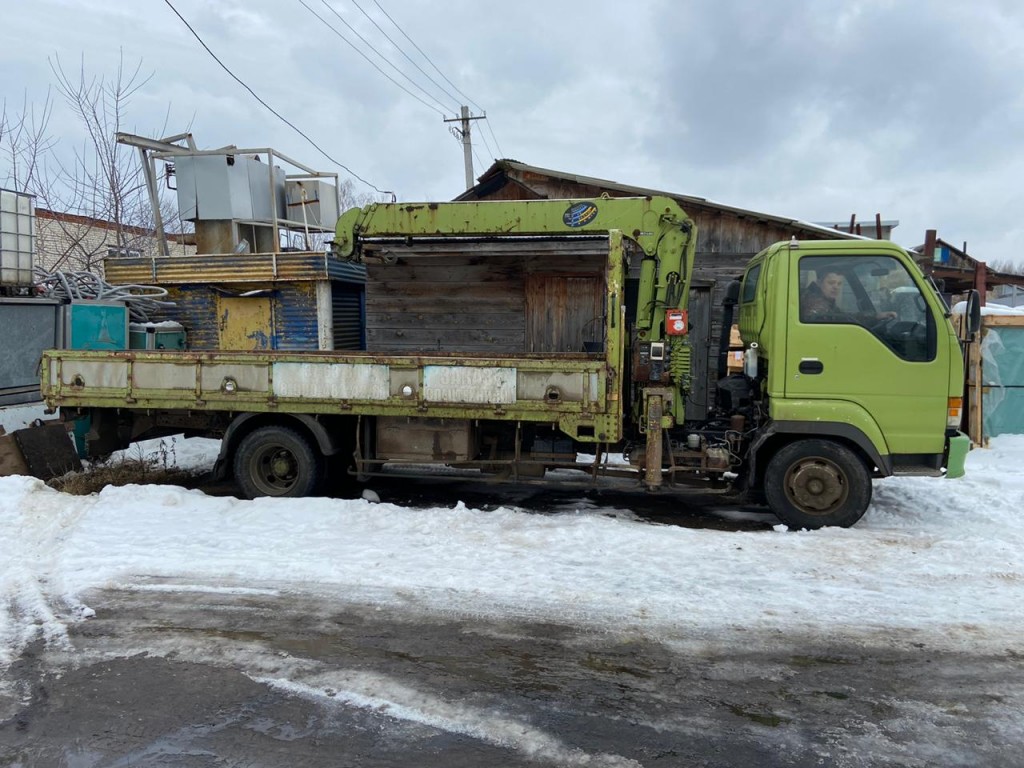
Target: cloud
point(812, 110)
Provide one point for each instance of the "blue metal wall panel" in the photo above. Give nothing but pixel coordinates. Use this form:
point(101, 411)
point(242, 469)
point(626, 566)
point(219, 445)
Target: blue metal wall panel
point(346, 271)
point(294, 310)
point(295, 319)
point(195, 307)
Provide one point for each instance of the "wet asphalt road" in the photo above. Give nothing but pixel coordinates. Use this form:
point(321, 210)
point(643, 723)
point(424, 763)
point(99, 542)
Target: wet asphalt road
point(180, 678)
point(219, 680)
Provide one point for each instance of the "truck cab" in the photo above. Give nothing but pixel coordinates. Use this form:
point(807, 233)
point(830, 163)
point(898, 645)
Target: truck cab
point(859, 368)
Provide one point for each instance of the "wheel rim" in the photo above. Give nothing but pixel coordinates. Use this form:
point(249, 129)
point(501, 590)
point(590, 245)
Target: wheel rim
point(275, 469)
point(817, 486)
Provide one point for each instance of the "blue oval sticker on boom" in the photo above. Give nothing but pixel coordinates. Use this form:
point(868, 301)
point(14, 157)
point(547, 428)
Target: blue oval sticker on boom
point(579, 214)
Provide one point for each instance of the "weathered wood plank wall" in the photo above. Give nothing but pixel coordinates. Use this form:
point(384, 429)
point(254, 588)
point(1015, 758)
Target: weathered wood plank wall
point(484, 297)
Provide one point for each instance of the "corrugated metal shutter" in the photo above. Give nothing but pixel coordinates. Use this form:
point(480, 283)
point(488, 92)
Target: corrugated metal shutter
point(348, 313)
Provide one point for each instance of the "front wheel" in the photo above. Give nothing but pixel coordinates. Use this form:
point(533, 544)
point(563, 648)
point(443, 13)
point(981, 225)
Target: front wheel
point(817, 483)
point(277, 461)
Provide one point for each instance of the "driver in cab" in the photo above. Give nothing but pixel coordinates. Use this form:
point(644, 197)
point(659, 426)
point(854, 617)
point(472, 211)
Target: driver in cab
point(819, 302)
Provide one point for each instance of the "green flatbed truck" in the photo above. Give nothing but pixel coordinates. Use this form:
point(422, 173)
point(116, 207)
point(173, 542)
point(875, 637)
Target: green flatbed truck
point(825, 402)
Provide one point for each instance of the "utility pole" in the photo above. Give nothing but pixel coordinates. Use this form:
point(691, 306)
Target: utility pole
point(467, 145)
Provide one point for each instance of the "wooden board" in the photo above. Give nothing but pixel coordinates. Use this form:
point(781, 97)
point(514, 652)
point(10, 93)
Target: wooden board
point(11, 460)
point(563, 312)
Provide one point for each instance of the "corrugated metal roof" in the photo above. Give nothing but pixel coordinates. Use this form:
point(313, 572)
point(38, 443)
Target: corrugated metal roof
point(232, 268)
point(692, 201)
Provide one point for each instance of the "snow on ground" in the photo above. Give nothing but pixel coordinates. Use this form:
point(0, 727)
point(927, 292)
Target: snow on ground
point(935, 562)
point(14, 417)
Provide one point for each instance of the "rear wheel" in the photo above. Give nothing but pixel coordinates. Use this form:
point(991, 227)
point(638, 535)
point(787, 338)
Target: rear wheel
point(817, 483)
point(277, 461)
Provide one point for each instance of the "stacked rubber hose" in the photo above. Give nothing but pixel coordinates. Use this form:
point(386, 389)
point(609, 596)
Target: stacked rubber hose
point(141, 300)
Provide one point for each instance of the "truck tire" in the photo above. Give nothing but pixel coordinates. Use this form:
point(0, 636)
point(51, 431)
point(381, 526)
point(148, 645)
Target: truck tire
point(277, 461)
point(817, 483)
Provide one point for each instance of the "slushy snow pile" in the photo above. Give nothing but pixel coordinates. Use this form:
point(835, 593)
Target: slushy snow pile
point(936, 562)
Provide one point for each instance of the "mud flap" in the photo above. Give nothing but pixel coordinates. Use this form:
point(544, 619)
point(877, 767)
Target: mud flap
point(44, 452)
point(956, 455)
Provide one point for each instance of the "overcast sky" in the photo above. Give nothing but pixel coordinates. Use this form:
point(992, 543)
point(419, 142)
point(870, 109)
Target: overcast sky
point(815, 110)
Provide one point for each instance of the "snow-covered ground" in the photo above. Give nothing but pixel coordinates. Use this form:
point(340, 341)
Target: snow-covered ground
point(14, 417)
point(935, 562)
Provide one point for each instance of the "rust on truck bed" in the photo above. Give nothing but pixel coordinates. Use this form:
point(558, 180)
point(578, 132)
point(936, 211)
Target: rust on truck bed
point(577, 391)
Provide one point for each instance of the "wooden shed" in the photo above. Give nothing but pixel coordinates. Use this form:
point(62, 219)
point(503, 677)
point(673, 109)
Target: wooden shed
point(727, 239)
point(956, 272)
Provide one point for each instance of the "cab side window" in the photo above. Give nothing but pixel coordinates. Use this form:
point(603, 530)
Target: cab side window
point(874, 292)
point(750, 284)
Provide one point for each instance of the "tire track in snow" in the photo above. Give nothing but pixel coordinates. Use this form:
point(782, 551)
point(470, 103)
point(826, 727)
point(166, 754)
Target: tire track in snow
point(38, 523)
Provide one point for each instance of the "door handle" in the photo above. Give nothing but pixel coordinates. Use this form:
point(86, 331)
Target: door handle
point(811, 365)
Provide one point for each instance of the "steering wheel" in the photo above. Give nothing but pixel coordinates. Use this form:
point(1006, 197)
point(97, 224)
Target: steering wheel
point(884, 326)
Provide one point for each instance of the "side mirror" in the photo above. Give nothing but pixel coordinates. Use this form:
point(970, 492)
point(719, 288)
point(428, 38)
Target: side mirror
point(972, 314)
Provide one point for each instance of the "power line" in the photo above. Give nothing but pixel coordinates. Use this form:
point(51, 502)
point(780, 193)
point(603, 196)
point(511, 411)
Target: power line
point(422, 53)
point(407, 56)
point(421, 70)
point(487, 144)
point(273, 111)
point(371, 61)
point(488, 122)
point(479, 108)
point(483, 165)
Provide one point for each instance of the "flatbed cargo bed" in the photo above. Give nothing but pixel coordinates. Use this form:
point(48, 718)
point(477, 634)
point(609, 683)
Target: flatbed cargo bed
point(576, 391)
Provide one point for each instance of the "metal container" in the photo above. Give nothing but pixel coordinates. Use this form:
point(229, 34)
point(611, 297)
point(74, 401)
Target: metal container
point(30, 326)
point(17, 238)
point(165, 335)
point(229, 187)
point(96, 325)
point(313, 203)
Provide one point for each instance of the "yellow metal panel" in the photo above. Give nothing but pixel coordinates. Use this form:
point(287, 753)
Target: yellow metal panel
point(245, 323)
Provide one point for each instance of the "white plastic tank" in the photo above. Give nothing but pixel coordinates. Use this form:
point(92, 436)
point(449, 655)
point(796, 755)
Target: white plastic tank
point(17, 238)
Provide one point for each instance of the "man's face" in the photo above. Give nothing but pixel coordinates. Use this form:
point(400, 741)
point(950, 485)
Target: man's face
point(832, 285)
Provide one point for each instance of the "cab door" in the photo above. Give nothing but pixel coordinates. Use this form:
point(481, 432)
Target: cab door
point(877, 349)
